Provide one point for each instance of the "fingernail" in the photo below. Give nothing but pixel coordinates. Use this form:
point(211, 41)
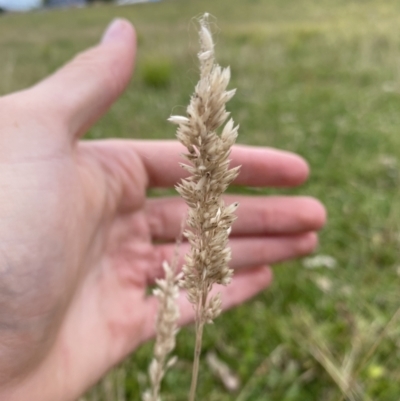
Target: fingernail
point(115, 31)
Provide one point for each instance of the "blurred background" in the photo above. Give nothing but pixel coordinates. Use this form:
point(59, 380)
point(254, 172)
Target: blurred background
point(28, 5)
point(320, 78)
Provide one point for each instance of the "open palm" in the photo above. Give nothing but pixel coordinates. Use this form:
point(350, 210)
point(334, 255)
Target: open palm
point(80, 242)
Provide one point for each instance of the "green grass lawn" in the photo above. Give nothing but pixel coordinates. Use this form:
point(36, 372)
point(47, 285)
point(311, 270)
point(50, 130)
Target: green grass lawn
point(320, 78)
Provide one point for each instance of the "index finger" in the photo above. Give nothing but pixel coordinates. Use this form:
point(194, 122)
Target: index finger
point(260, 166)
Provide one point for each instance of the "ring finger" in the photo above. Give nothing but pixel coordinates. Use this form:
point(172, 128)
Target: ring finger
point(247, 252)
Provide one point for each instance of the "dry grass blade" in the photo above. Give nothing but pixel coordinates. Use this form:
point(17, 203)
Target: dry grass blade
point(229, 379)
point(261, 370)
point(341, 373)
point(374, 347)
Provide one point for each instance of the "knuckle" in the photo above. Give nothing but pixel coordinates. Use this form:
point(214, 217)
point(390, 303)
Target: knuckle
point(267, 219)
point(100, 66)
point(157, 221)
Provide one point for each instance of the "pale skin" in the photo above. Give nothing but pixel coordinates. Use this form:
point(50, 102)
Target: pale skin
point(77, 232)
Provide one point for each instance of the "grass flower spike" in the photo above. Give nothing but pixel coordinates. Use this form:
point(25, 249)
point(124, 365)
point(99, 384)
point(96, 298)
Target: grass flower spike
point(209, 219)
point(167, 292)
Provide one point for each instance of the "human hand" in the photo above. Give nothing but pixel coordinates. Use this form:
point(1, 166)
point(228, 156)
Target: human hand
point(80, 243)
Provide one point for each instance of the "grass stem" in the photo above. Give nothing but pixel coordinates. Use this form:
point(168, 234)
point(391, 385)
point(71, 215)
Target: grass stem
point(196, 360)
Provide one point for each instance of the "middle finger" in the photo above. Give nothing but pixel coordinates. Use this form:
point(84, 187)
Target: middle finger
point(257, 215)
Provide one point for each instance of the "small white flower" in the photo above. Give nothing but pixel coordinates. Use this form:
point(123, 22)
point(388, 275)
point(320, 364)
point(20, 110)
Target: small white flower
point(323, 283)
point(318, 261)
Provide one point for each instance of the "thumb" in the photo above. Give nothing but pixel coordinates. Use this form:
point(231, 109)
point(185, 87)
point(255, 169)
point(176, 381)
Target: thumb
point(83, 90)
